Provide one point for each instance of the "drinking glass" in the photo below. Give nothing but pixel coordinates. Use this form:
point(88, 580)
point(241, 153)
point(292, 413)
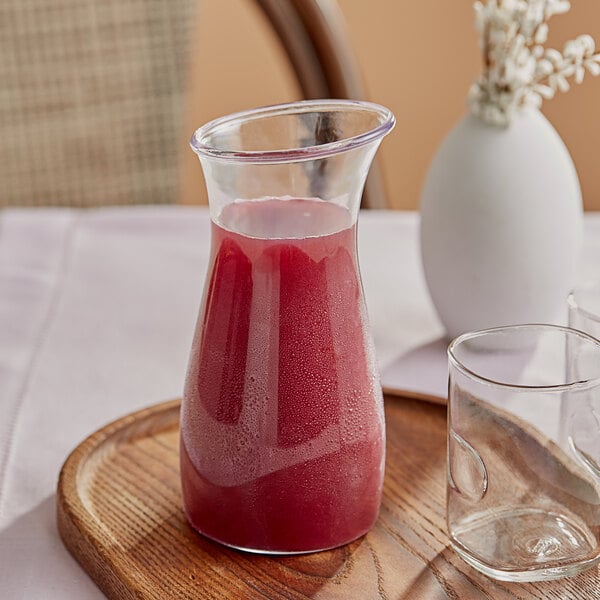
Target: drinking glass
point(282, 427)
point(522, 505)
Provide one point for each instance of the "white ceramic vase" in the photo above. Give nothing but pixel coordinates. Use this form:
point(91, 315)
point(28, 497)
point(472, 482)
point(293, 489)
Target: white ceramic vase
point(501, 224)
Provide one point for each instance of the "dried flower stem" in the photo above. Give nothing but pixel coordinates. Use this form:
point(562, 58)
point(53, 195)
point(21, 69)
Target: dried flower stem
point(518, 70)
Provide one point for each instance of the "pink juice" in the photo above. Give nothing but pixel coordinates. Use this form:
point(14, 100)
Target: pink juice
point(282, 431)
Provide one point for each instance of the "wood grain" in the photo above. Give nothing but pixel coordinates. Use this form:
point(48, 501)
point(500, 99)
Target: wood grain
point(119, 514)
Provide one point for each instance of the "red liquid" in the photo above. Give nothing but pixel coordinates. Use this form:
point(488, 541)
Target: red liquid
point(282, 445)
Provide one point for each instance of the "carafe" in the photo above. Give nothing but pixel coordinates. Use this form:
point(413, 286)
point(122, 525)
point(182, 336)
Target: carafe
point(282, 424)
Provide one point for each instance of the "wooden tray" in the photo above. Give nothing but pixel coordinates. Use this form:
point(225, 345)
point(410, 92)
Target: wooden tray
point(119, 514)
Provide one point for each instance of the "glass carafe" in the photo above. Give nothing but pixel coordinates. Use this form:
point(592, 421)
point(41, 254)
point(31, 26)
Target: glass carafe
point(282, 426)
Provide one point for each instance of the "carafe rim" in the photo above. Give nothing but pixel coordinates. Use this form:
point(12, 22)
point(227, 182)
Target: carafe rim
point(202, 146)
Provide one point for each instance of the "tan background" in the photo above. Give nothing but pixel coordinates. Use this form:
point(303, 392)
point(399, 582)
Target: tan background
point(417, 57)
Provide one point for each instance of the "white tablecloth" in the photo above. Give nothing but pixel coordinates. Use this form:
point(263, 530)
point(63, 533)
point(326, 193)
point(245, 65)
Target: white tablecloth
point(97, 310)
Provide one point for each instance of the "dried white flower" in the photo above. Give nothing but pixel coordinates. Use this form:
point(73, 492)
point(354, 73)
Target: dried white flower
point(518, 70)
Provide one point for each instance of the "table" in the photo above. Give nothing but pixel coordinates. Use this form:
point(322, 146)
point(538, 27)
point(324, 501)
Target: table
point(96, 315)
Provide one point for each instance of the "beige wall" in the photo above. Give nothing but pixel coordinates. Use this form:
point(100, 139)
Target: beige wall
point(418, 57)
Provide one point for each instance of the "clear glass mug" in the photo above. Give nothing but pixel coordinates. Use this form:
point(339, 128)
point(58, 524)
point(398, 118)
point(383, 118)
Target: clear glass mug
point(522, 503)
point(584, 308)
point(282, 426)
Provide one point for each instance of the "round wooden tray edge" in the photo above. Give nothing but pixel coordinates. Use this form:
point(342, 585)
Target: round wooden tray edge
point(67, 479)
point(70, 507)
point(397, 393)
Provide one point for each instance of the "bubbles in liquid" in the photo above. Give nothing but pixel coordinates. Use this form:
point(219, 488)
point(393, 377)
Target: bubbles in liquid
point(310, 415)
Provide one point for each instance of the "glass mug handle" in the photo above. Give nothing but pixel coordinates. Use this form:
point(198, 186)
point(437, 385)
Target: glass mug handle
point(583, 433)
